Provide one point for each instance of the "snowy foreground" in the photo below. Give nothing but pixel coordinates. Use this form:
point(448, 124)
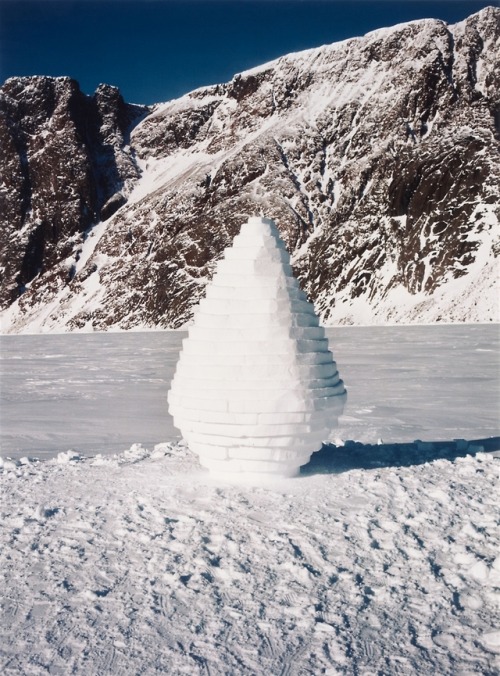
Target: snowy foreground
point(384, 562)
point(379, 559)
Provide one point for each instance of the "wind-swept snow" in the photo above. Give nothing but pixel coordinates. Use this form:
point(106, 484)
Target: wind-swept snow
point(139, 563)
point(381, 557)
point(98, 393)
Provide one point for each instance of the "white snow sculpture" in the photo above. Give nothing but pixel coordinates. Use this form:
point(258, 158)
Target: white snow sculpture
point(256, 389)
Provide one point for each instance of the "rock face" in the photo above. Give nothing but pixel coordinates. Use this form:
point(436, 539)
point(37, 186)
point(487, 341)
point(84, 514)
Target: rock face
point(256, 390)
point(377, 156)
point(65, 165)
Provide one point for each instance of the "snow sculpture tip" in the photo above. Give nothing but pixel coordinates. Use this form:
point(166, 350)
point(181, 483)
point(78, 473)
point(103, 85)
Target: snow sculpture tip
point(256, 390)
point(259, 225)
point(260, 220)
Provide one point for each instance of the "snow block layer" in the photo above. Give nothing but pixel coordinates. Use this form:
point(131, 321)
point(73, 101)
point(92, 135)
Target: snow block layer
point(256, 389)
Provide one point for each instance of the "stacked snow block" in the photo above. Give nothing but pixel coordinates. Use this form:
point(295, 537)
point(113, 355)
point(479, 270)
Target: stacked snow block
point(256, 389)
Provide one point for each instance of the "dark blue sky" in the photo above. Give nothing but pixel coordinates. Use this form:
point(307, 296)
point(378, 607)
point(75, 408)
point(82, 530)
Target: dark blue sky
point(155, 50)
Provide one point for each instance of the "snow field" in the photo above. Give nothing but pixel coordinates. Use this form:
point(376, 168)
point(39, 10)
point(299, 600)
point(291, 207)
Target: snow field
point(380, 558)
point(96, 392)
point(371, 562)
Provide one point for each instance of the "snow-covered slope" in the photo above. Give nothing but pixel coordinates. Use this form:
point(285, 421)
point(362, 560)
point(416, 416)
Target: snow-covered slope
point(378, 157)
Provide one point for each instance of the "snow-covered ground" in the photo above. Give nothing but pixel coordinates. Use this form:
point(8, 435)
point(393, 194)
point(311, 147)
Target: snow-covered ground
point(98, 393)
point(379, 559)
point(95, 393)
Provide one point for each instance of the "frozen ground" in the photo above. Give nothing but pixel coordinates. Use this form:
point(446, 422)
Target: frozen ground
point(98, 393)
point(93, 392)
point(378, 559)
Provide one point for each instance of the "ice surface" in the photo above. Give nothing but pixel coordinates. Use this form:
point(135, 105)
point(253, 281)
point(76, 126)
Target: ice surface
point(235, 322)
point(98, 393)
point(91, 392)
point(140, 562)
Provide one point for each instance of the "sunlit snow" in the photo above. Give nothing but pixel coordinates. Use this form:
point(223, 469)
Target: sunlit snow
point(256, 389)
point(382, 557)
point(98, 393)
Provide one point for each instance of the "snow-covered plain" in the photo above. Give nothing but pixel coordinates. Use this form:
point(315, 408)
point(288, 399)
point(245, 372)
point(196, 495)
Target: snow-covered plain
point(92, 392)
point(98, 393)
point(379, 559)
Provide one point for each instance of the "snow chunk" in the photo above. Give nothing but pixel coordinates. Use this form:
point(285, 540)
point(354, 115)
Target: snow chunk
point(256, 389)
point(65, 457)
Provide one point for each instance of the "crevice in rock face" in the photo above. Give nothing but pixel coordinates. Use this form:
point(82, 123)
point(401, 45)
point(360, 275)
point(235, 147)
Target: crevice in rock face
point(496, 120)
point(32, 261)
point(448, 64)
point(20, 149)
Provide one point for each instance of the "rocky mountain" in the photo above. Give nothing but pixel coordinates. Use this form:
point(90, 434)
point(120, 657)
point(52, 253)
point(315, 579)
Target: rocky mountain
point(65, 165)
point(378, 157)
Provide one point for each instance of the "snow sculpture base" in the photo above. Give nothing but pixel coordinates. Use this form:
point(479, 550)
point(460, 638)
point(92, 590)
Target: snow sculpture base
point(256, 390)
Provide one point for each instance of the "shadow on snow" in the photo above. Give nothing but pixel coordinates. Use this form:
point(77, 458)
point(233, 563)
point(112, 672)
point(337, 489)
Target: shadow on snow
point(333, 459)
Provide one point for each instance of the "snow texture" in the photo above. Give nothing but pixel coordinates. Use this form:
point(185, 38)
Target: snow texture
point(380, 559)
point(96, 393)
point(256, 389)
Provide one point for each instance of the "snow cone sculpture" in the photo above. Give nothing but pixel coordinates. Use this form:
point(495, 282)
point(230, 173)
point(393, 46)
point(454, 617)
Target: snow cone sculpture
point(256, 389)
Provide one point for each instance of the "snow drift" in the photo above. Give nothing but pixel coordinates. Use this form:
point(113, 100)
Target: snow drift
point(139, 563)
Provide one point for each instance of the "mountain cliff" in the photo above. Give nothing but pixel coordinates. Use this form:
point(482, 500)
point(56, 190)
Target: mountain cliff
point(378, 157)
